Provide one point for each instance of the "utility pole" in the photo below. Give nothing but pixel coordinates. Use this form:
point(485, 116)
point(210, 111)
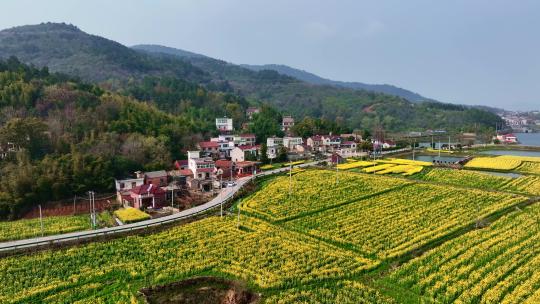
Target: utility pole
point(172, 196)
point(448, 143)
point(337, 173)
point(74, 206)
point(290, 178)
point(413, 149)
point(41, 219)
point(439, 147)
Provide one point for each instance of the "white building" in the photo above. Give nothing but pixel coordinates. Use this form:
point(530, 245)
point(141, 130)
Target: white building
point(241, 153)
point(202, 168)
point(290, 142)
point(274, 141)
point(224, 124)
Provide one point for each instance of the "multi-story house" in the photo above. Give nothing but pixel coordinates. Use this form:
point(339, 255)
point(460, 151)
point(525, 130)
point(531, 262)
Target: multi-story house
point(290, 142)
point(224, 124)
point(287, 123)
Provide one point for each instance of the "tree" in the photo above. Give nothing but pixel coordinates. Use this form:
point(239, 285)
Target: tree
point(282, 154)
point(26, 133)
point(264, 153)
point(265, 124)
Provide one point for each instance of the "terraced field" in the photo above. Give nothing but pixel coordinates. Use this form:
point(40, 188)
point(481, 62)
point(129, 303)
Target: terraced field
point(396, 222)
point(498, 264)
point(23, 229)
point(338, 237)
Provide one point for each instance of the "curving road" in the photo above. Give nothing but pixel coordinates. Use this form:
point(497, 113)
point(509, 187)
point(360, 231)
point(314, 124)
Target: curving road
point(225, 195)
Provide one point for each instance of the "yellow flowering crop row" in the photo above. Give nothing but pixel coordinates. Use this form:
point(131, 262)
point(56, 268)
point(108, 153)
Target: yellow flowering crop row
point(467, 178)
point(314, 190)
point(23, 229)
point(526, 184)
point(344, 292)
point(355, 164)
point(131, 215)
point(401, 169)
point(377, 168)
point(497, 264)
point(401, 161)
point(529, 167)
point(502, 163)
point(265, 256)
point(398, 221)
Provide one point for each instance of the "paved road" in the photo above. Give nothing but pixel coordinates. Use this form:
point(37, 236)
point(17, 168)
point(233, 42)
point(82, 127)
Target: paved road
point(223, 196)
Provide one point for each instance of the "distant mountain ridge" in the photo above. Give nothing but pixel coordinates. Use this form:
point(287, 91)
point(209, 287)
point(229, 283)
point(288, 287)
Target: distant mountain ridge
point(315, 79)
point(295, 73)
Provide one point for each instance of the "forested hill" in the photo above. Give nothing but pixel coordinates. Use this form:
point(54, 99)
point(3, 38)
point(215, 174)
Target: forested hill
point(161, 75)
point(65, 48)
point(315, 79)
point(72, 137)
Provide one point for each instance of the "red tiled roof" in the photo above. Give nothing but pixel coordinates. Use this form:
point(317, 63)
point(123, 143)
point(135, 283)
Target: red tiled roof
point(249, 147)
point(223, 163)
point(205, 169)
point(147, 189)
point(247, 135)
point(181, 163)
point(245, 163)
point(186, 172)
point(208, 144)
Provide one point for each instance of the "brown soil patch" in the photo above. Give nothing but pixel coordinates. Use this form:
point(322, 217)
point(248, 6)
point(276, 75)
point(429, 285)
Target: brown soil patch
point(201, 290)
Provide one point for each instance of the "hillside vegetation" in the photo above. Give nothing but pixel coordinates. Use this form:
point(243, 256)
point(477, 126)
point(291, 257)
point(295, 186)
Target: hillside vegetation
point(74, 137)
point(65, 48)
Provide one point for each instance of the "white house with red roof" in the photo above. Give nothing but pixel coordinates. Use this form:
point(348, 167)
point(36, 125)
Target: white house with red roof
point(243, 153)
point(507, 138)
point(208, 148)
point(145, 196)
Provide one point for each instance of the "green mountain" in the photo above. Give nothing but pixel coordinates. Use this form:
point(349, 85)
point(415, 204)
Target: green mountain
point(72, 137)
point(314, 79)
point(162, 76)
point(65, 48)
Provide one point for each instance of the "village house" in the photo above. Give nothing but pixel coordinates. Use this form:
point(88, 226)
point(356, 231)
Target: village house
point(209, 148)
point(507, 138)
point(224, 124)
point(348, 147)
point(226, 167)
point(243, 153)
point(244, 168)
point(331, 142)
point(182, 164)
point(244, 140)
point(289, 142)
point(287, 123)
point(316, 144)
point(202, 167)
point(145, 196)
point(272, 146)
point(156, 178)
point(124, 186)
point(250, 111)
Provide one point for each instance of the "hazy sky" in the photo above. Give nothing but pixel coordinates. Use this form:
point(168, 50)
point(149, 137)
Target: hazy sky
point(474, 52)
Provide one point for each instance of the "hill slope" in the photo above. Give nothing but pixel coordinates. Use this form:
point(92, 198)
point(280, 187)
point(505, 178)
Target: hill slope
point(315, 79)
point(65, 48)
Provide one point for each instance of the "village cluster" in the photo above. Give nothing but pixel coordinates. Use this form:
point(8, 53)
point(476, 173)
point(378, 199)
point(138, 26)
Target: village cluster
point(220, 160)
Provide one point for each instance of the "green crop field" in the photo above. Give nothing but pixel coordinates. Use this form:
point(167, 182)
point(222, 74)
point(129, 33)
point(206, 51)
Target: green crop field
point(338, 237)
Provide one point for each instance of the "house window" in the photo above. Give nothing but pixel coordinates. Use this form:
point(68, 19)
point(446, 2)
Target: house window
point(122, 185)
point(133, 184)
